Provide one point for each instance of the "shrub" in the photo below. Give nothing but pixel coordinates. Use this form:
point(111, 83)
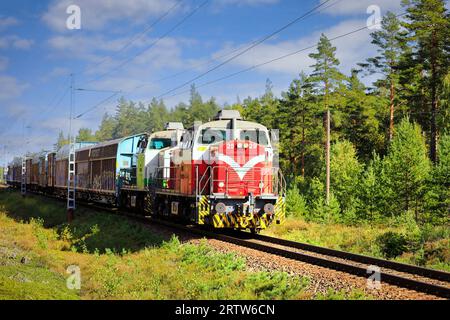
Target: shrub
point(295, 203)
point(407, 167)
point(392, 244)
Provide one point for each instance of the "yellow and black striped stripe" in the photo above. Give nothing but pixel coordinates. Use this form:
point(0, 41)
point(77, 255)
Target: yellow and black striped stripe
point(204, 208)
point(280, 210)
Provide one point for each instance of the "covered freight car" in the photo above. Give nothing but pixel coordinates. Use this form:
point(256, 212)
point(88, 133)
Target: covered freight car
point(14, 176)
point(58, 167)
point(101, 169)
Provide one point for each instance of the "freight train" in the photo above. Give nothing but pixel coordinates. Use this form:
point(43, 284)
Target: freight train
point(220, 174)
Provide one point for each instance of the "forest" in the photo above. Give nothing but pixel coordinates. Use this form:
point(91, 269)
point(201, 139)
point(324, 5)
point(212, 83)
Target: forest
point(390, 142)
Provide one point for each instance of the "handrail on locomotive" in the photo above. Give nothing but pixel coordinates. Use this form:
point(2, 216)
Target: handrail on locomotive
point(271, 182)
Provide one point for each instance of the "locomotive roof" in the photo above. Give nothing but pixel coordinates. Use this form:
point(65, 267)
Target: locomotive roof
point(226, 124)
point(64, 151)
point(101, 144)
point(163, 134)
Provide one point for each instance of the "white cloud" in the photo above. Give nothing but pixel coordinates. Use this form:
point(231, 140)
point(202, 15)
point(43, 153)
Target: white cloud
point(6, 22)
point(10, 87)
point(4, 61)
point(349, 7)
point(15, 42)
point(104, 64)
point(59, 71)
point(97, 14)
point(350, 50)
point(23, 43)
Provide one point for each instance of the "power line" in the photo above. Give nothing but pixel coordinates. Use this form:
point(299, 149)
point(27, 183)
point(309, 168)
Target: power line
point(217, 59)
point(265, 38)
point(140, 34)
point(53, 107)
point(276, 59)
point(152, 44)
point(97, 105)
point(96, 90)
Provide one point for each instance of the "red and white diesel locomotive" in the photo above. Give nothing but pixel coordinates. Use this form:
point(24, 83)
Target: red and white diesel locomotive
point(222, 173)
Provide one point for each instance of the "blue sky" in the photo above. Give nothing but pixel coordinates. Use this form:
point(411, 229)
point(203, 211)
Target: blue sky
point(38, 53)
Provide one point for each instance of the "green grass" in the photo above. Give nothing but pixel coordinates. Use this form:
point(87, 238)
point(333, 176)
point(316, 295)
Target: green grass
point(120, 259)
point(398, 239)
point(33, 281)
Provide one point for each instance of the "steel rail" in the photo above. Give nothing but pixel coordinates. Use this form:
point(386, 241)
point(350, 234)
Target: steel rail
point(393, 265)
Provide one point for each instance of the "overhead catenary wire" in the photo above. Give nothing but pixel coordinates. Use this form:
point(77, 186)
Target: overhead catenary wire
point(97, 105)
point(252, 45)
point(217, 59)
point(276, 59)
point(257, 43)
point(163, 36)
point(140, 34)
point(310, 12)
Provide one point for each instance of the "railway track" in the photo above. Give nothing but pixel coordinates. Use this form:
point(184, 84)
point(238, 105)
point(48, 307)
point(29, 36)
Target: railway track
point(411, 277)
point(407, 276)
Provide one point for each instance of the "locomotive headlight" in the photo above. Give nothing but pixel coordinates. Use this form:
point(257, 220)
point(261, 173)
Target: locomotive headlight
point(269, 208)
point(221, 184)
point(221, 208)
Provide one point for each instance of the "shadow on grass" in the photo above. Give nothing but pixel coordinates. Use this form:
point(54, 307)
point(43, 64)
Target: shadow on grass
point(91, 231)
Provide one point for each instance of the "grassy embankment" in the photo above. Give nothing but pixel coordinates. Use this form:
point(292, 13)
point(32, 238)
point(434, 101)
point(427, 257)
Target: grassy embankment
point(398, 239)
point(120, 259)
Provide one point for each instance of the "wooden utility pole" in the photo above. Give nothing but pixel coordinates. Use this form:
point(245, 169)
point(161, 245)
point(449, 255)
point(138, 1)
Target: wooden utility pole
point(303, 144)
point(327, 155)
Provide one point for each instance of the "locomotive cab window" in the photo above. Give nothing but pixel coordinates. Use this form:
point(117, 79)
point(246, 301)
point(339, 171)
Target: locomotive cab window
point(211, 136)
point(160, 143)
point(142, 145)
point(256, 136)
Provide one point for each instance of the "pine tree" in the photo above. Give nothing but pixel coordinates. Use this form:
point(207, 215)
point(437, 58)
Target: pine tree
point(391, 45)
point(156, 116)
point(428, 25)
point(106, 129)
point(360, 118)
point(345, 174)
point(438, 196)
point(130, 119)
point(269, 105)
point(326, 79)
point(62, 141)
point(85, 135)
point(298, 120)
point(407, 166)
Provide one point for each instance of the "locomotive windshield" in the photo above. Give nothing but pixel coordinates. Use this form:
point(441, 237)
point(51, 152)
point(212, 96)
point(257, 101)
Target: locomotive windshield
point(160, 143)
point(257, 136)
point(210, 136)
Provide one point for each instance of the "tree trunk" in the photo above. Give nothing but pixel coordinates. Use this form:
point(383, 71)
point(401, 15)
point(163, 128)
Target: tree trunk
point(303, 146)
point(434, 101)
point(327, 146)
point(327, 154)
point(433, 142)
point(391, 117)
